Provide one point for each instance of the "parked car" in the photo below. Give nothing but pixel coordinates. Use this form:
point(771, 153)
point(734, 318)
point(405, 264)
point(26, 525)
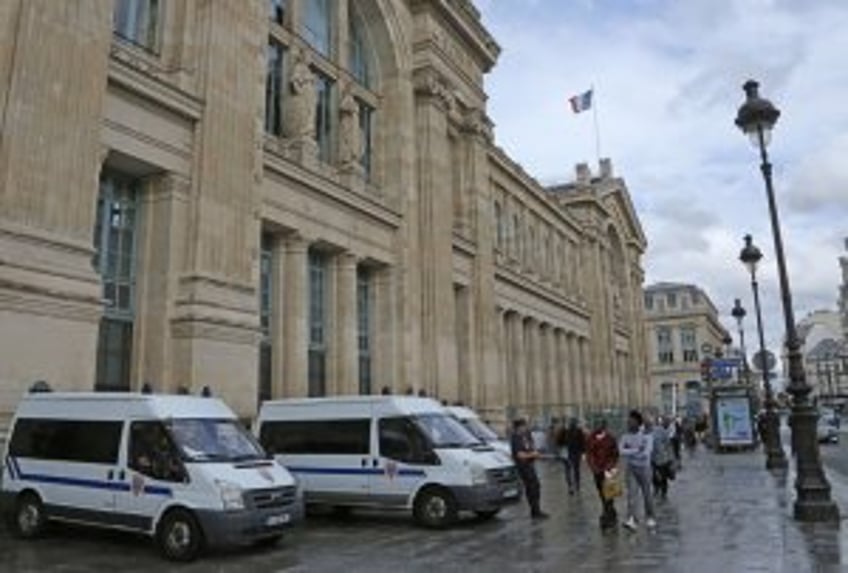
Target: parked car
point(180, 469)
point(387, 452)
point(482, 431)
point(827, 428)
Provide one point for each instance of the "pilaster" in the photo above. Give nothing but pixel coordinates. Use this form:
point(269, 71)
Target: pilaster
point(296, 304)
point(346, 377)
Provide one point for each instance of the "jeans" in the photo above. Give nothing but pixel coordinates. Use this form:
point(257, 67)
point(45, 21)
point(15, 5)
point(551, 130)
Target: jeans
point(532, 489)
point(609, 516)
point(572, 472)
point(639, 482)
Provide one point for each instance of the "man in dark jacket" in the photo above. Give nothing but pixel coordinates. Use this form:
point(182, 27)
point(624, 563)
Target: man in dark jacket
point(574, 445)
point(602, 457)
point(524, 454)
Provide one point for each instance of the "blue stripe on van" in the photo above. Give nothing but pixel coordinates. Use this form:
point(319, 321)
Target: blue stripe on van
point(353, 471)
point(93, 484)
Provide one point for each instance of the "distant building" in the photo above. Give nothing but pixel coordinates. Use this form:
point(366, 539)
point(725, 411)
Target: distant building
point(843, 292)
point(682, 326)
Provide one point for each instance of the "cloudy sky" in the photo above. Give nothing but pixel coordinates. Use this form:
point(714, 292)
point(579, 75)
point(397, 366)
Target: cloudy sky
point(667, 76)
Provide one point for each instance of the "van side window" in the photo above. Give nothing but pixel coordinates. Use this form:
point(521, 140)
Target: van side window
point(401, 440)
point(317, 437)
point(152, 453)
point(85, 441)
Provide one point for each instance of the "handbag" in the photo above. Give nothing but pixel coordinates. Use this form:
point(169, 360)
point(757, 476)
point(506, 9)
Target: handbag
point(612, 487)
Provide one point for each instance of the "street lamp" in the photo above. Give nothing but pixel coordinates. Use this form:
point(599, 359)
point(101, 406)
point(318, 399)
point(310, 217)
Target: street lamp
point(775, 458)
point(756, 118)
point(739, 313)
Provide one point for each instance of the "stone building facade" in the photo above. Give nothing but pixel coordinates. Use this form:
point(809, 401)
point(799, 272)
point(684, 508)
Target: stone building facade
point(281, 198)
point(682, 328)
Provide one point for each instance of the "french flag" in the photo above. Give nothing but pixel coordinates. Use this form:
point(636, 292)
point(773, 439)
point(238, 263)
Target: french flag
point(581, 102)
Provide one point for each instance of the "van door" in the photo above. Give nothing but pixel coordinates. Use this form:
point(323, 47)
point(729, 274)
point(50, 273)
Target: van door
point(72, 463)
point(152, 472)
point(403, 461)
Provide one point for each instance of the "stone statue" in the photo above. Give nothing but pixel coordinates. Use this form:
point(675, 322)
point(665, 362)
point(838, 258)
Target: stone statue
point(350, 132)
point(303, 97)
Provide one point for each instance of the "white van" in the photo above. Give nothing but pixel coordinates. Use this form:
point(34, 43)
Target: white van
point(181, 469)
point(480, 429)
point(387, 452)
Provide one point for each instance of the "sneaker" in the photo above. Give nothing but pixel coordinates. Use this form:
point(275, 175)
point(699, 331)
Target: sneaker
point(651, 523)
point(630, 523)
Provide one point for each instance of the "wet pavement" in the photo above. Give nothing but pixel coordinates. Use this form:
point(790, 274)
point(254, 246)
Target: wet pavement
point(725, 513)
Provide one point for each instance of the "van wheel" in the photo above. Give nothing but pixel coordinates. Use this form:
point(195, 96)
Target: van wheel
point(179, 536)
point(435, 507)
point(487, 515)
point(28, 520)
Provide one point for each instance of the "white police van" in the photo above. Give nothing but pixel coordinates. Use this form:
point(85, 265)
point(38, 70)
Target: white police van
point(387, 452)
point(181, 469)
point(480, 429)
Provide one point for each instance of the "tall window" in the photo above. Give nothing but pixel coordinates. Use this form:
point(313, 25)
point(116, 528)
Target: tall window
point(115, 262)
point(689, 344)
point(366, 125)
point(277, 11)
point(499, 231)
point(672, 300)
point(317, 25)
point(137, 21)
point(265, 310)
point(324, 116)
point(665, 348)
point(358, 54)
point(274, 89)
point(317, 323)
point(363, 328)
point(516, 237)
point(649, 302)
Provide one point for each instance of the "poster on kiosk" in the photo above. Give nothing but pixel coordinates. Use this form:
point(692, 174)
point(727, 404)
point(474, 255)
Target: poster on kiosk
point(733, 420)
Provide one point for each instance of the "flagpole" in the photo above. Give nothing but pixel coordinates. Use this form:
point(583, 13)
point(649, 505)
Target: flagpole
point(595, 117)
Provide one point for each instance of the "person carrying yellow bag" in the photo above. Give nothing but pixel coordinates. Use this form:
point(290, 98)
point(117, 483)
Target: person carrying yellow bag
point(602, 457)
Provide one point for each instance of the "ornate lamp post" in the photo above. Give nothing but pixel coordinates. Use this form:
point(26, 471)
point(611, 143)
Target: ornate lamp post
point(756, 118)
point(739, 313)
point(775, 458)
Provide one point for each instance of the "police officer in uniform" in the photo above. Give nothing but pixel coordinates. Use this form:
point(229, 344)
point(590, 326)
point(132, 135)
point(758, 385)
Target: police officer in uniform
point(524, 454)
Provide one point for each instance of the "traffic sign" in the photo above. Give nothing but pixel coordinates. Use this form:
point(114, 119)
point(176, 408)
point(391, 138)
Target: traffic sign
point(764, 360)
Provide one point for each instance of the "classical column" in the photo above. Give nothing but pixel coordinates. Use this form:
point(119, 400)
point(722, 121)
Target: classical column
point(346, 367)
point(297, 317)
point(575, 376)
point(278, 316)
point(531, 343)
point(520, 361)
point(561, 369)
point(587, 386)
point(499, 393)
point(384, 332)
point(543, 381)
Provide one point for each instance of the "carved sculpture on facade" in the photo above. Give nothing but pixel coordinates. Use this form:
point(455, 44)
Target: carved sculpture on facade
point(303, 98)
point(350, 134)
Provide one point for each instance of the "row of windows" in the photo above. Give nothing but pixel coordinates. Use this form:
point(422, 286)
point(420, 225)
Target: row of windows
point(665, 345)
point(399, 438)
point(670, 300)
point(548, 252)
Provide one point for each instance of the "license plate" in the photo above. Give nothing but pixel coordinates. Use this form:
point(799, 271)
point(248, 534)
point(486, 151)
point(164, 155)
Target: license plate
point(277, 520)
point(510, 493)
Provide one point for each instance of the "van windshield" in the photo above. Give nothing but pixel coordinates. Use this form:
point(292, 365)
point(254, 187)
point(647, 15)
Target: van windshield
point(480, 430)
point(445, 431)
point(208, 440)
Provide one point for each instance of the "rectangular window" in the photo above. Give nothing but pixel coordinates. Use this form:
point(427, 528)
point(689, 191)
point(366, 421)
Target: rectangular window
point(265, 310)
point(649, 302)
point(137, 21)
point(317, 437)
point(324, 116)
point(665, 350)
point(363, 323)
point(317, 25)
point(277, 11)
point(274, 89)
point(689, 344)
point(672, 300)
point(366, 127)
point(499, 230)
point(115, 261)
point(94, 442)
point(357, 50)
point(317, 323)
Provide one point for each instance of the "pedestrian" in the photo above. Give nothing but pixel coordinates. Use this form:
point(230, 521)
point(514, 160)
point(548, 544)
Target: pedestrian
point(674, 434)
point(602, 457)
point(524, 454)
point(662, 458)
point(574, 443)
point(635, 448)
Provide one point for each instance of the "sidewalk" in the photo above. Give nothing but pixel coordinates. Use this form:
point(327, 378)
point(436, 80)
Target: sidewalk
point(725, 513)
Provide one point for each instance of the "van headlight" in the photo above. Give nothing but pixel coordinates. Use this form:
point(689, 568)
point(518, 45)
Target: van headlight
point(478, 475)
point(231, 495)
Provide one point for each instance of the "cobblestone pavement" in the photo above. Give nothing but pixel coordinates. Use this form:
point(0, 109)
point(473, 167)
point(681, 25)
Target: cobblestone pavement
point(724, 514)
